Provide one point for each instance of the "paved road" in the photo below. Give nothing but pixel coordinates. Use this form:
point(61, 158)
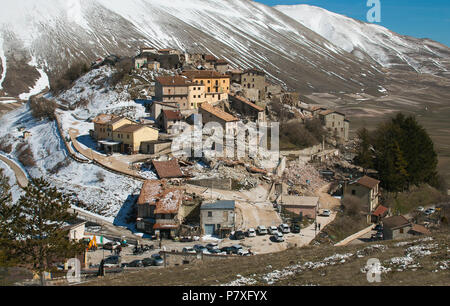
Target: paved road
point(21, 177)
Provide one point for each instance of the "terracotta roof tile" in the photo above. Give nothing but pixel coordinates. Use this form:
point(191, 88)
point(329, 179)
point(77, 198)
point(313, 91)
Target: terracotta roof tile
point(168, 169)
point(130, 128)
point(172, 115)
point(217, 112)
point(368, 182)
point(243, 100)
point(173, 81)
point(380, 211)
point(204, 74)
point(166, 200)
point(395, 222)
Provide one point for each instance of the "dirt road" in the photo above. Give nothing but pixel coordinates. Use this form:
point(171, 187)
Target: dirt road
point(21, 176)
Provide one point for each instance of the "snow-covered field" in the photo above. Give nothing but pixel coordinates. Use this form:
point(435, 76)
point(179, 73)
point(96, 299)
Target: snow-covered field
point(102, 192)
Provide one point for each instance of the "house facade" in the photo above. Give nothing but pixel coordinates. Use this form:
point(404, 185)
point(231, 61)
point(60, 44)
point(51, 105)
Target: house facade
point(247, 108)
point(367, 190)
point(173, 89)
point(307, 206)
point(158, 206)
point(217, 85)
point(396, 227)
point(335, 123)
point(254, 82)
point(218, 218)
point(168, 118)
point(119, 134)
point(196, 95)
point(214, 114)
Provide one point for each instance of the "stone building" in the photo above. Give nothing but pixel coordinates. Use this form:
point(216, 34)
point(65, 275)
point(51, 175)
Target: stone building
point(367, 190)
point(335, 123)
point(218, 218)
point(157, 209)
point(253, 82)
point(247, 108)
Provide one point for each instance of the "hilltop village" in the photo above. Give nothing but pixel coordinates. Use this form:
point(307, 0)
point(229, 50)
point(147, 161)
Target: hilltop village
point(245, 203)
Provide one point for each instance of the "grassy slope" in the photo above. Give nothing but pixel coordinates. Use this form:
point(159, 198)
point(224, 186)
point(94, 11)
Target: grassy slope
point(345, 273)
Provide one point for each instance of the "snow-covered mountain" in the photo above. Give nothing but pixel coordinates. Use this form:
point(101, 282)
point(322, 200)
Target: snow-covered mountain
point(371, 41)
point(49, 34)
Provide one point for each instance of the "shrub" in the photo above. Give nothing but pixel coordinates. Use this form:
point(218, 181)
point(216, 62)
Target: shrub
point(123, 68)
point(42, 108)
point(25, 155)
point(5, 146)
point(100, 176)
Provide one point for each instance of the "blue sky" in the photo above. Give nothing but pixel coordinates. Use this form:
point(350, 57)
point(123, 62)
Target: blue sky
point(418, 18)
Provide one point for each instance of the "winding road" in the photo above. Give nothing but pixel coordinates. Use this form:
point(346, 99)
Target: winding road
point(21, 176)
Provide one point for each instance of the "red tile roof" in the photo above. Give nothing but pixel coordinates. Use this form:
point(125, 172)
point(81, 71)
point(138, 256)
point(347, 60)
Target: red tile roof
point(166, 200)
point(204, 74)
point(368, 182)
point(395, 222)
point(217, 112)
point(420, 229)
point(243, 100)
point(173, 81)
point(172, 115)
point(381, 211)
point(168, 169)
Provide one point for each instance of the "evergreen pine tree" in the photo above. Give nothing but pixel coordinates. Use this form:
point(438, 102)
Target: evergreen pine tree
point(6, 225)
point(38, 220)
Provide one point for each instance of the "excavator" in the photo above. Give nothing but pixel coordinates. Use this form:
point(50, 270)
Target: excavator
point(92, 244)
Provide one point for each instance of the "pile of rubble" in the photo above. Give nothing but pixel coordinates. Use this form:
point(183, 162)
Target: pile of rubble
point(304, 175)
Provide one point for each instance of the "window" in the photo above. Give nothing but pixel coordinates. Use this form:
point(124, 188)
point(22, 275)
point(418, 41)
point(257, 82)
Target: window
point(128, 136)
point(353, 192)
point(401, 231)
point(209, 214)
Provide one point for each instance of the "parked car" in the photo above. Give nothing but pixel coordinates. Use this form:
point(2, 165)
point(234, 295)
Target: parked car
point(430, 211)
point(228, 250)
point(278, 237)
point(112, 261)
point(420, 208)
point(261, 230)
point(212, 246)
point(147, 262)
point(235, 248)
point(326, 213)
point(217, 252)
point(379, 235)
point(199, 248)
point(136, 264)
point(157, 260)
point(239, 235)
point(295, 228)
point(189, 250)
point(378, 228)
point(251, 232)
point(242, 252)
point(273, 230)
point(284, 228)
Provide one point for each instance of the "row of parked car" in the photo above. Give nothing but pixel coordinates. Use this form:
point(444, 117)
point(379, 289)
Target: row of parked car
point(427, 212)
point(213, 248)
point(114, 261)
point(276, 232)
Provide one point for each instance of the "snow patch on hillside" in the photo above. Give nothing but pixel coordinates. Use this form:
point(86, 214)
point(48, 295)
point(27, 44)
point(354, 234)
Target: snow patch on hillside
point(3, 61)
point(41, 84)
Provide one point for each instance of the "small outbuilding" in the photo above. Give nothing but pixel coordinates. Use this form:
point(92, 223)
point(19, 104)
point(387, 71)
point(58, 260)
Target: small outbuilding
point(218, 218)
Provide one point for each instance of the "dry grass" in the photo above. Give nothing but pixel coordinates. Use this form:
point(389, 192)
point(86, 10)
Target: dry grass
point(345, 273)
